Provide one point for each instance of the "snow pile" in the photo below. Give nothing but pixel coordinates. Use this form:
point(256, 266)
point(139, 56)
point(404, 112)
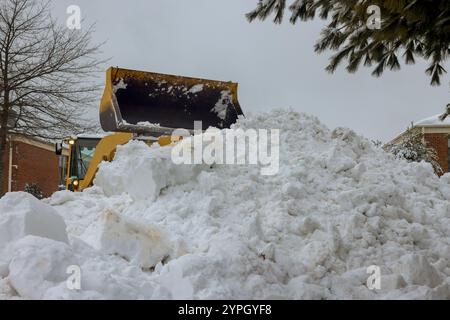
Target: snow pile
point(140, 173)
point(35, 257)
point(21, 215)
point(153, 230)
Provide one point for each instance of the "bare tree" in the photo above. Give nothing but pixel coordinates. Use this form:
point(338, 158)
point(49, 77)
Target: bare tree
point(46, 74)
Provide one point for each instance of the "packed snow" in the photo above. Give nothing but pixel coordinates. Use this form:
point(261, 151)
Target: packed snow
point(222, 104)
point(146, 124)
point(150, 229)
point(121, 85)
point(197, 88)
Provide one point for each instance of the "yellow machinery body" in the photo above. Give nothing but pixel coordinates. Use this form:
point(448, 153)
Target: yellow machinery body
point(148, 106)
point(103, 150)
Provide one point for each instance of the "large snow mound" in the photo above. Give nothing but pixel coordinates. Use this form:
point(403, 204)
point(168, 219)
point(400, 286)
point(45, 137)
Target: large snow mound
point(153, 230)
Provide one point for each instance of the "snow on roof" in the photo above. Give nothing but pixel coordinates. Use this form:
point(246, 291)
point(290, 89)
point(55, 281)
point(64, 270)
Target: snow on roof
point(430, 122)
point(433, 121)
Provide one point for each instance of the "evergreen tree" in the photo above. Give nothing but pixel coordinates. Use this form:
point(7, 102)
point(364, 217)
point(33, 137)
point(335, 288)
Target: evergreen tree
point(410, 28)
point(35, 190)
point(414, 148)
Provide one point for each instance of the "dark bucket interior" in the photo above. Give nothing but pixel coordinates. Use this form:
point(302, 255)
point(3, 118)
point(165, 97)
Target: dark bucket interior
point(167, 101)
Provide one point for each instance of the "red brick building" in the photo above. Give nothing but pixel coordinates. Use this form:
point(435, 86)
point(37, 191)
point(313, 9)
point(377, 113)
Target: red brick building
point(437, 134)
point(30, 161)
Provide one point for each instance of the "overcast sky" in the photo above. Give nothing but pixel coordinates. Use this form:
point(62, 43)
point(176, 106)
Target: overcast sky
point(274, 65)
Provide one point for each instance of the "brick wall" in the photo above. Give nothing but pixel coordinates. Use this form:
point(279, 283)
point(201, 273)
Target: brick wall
point(439, 141)
point(33, 164)
point(5, 169)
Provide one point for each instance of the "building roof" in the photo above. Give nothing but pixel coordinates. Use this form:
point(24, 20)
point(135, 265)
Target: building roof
point(433, 121)
point(428, 125)
point(36, 142)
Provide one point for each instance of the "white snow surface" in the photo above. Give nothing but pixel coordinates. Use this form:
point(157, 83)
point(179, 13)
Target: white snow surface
point(433, 121)
point(121, 85)
point(222, 104)
point(151, 230)
point(196, 88)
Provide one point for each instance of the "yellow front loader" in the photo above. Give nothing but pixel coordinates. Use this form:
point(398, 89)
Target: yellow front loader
point(147, 106)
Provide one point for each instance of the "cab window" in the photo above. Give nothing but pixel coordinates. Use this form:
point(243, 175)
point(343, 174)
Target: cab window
point(82, 154)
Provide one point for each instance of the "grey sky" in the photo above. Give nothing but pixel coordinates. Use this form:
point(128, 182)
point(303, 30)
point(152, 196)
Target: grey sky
point(274, 65)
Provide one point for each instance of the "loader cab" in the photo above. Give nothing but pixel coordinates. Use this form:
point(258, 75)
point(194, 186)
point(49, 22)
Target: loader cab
point(81, 152)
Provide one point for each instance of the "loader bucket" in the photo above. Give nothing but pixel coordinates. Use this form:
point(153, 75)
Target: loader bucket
point(152, 103)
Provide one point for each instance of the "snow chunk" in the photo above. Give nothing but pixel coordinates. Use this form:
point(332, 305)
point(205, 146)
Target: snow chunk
point(121, 85)
point(418, 271)
point(142, 172)
point(38, 265)
point(196, 89)
point(21, 214)
point(142, 245)
point(222, 104)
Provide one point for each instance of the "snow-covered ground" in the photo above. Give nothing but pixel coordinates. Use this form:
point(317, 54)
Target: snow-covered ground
point(151, 230)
